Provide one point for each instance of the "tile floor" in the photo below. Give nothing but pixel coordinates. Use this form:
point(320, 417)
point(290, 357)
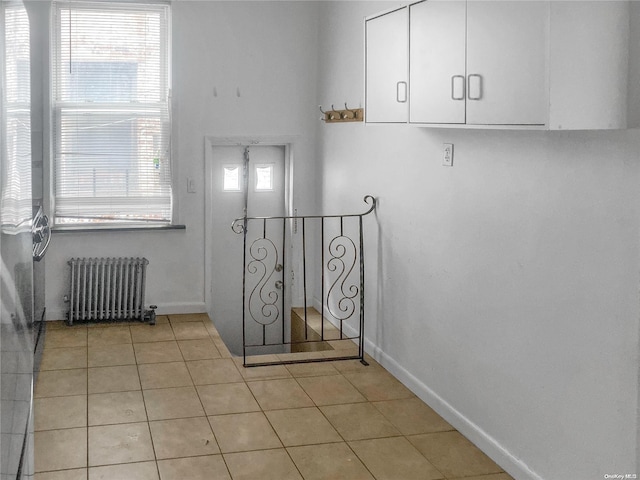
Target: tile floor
point(168, 402)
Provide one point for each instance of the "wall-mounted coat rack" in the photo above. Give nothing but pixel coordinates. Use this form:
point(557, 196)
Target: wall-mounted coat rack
point(346, 115)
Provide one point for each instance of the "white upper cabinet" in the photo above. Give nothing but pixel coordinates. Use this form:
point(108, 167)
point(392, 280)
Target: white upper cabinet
point(506, 62)
point(478, 63)
point(500, 64)
point(387, 67)
point(438, 62)
point(589, 65)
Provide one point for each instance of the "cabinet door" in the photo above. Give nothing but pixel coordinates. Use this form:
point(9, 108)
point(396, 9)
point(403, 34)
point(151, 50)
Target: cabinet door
point(506, 62)
point(387, 93)
point(437, 62)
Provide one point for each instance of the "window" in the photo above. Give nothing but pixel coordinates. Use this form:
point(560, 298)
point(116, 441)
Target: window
point(15, 118)
point(231, 178)
point(111, 114)
point(264, 177)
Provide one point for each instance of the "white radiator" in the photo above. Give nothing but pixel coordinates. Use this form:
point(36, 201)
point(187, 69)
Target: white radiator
point(107, 289)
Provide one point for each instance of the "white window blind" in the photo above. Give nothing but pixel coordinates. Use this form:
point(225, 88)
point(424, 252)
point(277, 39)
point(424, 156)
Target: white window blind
point(15, 119)
point(111, 113)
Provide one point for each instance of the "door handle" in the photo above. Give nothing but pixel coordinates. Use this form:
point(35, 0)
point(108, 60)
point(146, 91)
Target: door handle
point(279, 284)
point(461, 84)
point(478, 85)
point(40, 232)
point(401, 92)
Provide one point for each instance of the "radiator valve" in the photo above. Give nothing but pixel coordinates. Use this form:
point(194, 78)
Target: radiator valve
point(150, 314)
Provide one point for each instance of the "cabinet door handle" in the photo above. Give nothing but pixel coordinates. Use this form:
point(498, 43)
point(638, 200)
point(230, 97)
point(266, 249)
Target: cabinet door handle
point(478, 88)
point(401, 92)
point(453, 87)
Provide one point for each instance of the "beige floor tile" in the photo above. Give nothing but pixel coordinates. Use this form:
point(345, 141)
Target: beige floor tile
point(161, 332)
point(66, 337)
point(357, 421)
point(194, 468)
point(302, 426)
point(168, 403)
point(227, 398)
point(330, 390)
point(243, 432)
point(394, 458)
point(453, 454)
point(349, 345)
point(262, 373)
point(60, 449)
point(279, 394)
point(299, 356)
point(378, 385)
point(57, 383)
point(412, 416)
point(314, 369)
point(157, 352)
point(201, 349)
point(495, 476)
point(189, 330)
point(354, 366)
point(342, 354)
point(119, 407)
point(208, 372)
point(128, 471)
point(75, 474)
point(330, 461)
point(126, 443)
point(262, 465)
point(222, 347)
point(51, 413)
point(189, 317)
point(161, 319)
point(114, 379)
point(55, 325)
point(64, 358)
point(109, 336)
point(111, 355)
point(183, 437)
point(164, 375)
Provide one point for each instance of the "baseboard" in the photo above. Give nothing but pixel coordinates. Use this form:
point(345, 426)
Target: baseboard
point(163, 309)
point(511, 464)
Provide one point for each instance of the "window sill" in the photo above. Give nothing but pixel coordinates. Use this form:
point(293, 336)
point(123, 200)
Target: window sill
point(96, 229)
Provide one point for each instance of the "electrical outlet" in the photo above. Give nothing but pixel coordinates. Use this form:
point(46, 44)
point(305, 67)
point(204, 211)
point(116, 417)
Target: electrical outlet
point(447, 155)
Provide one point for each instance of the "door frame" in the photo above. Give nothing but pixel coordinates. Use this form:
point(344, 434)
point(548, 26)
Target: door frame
point(286, 141)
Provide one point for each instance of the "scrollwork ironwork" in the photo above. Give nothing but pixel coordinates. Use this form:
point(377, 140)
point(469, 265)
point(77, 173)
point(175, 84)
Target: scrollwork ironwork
point(263, 299)
point(343, 253)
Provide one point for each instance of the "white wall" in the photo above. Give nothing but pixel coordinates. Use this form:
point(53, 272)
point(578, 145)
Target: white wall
point(267, 52)
point(507, 286)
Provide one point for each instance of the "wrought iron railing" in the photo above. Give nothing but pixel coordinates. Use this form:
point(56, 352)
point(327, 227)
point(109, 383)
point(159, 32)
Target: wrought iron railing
point(328, 276)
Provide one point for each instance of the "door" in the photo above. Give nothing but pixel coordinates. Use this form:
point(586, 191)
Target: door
point(386, 74)
point(16, 265)
point(248, 179)
point(506, 62)
point(437, 62)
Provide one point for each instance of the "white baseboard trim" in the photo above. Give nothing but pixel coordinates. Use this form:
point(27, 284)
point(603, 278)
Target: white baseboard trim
point(181, 307)
point(163, 309)
point(511, 464)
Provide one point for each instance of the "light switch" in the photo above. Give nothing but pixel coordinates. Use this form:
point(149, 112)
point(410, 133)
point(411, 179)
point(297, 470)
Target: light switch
point(447, 155)
point(191, 185)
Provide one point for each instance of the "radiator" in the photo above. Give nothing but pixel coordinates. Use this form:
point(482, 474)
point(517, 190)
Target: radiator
point(107, 289)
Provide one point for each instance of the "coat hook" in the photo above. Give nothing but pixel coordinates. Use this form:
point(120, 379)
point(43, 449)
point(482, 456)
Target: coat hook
point(354, 112)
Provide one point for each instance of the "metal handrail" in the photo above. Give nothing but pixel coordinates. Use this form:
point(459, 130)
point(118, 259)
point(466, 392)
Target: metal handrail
point(237, 223)
point(263, 304)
